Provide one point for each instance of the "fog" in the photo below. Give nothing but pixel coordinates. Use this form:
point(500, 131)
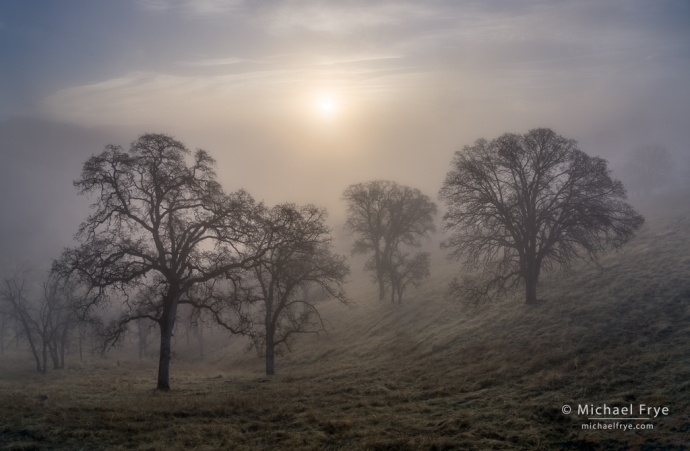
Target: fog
point(411, 83)
point(395, 346)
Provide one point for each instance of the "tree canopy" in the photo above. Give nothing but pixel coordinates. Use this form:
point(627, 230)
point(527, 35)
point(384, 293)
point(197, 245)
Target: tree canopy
point(383, 216)
point(160, 226)
point(299, 255)
point(522, 203)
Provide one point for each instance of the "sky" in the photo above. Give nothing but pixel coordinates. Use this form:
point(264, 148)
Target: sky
point(297, 100)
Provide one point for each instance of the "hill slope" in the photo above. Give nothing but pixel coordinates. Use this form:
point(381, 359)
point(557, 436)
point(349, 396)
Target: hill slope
point(429, 374)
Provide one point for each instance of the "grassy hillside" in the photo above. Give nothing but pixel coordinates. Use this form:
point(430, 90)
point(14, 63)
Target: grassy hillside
point(429, 374)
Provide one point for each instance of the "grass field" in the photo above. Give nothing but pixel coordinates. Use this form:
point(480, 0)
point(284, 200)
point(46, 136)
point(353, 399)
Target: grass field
point(427, 375)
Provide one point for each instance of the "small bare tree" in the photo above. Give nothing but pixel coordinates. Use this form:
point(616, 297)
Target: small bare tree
point(46, 321)
point(300, 256)
point(522, 203)
point(384, 216)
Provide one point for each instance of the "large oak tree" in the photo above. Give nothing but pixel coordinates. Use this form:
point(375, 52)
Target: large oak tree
point(522, 203)
point(160, 229)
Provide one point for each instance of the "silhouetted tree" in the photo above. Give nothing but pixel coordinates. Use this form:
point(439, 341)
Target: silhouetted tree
point(299, 255)
point(649, 168)
point(522, 203)
point(45, 319)
point(383, 216)
point(159, 227)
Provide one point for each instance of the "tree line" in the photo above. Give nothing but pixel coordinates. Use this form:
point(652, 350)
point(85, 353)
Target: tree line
point(163, 237)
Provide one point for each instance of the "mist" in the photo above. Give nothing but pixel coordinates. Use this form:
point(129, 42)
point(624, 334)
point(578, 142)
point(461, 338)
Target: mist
point(297, 101)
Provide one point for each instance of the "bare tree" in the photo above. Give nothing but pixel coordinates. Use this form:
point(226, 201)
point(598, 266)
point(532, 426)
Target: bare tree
point(383, 216)
point(300, 255)
point(46, 320)
point(58, 317)
point(523, 203)
point(649, 168)
point(405, 271)
point(13, 295)
point(159, 227)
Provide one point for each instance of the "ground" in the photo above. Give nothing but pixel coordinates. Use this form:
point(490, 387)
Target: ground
point(430, 374)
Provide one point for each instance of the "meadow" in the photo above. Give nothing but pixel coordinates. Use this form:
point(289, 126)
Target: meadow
point(430, 374)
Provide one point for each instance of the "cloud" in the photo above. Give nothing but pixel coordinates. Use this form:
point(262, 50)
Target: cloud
point(355, 58)
point(338, 18)
point(200, 7)
point(210, 62)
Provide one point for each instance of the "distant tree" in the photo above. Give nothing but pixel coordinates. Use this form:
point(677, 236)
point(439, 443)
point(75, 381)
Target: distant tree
point(299, 256)
point(15, 303)
point(159, 227)
point(144, 327)
point(383, 216)
point(649, 168)
point(523, 203)
point(405, 271)
point(46, 319)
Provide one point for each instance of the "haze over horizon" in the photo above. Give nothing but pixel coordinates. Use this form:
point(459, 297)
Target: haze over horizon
point(297, 100)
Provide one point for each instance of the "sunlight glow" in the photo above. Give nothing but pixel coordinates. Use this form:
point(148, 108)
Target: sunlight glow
point(327, 105)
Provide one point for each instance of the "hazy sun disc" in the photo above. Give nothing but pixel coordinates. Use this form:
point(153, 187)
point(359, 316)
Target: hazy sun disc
point(327, 105)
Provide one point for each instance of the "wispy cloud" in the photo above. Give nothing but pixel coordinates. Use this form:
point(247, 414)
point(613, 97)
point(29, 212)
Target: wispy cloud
point(356, 58)
point(210, 62)
point(339, 17)
point(201, 7)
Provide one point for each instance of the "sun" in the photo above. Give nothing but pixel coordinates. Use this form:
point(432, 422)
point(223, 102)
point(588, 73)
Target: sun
point(327, 105)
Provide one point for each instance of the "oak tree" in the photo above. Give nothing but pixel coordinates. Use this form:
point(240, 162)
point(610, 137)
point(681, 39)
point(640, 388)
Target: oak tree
point(383, 217)
point(299, 256)
point(44, 314)
point(160, 227)
point(520, 204)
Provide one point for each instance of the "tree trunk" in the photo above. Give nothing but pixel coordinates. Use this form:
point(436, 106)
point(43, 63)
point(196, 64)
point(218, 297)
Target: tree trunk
point(45, 357)
point(53, 348)
point(34, 351)
point(530, 290)
point(167, 324)
point(63, 344)
point(2, 337)
point(164, 358)
point(382, 287)
point(270, 354)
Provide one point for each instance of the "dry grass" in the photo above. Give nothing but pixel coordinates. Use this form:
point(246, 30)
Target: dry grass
point(427, 375)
